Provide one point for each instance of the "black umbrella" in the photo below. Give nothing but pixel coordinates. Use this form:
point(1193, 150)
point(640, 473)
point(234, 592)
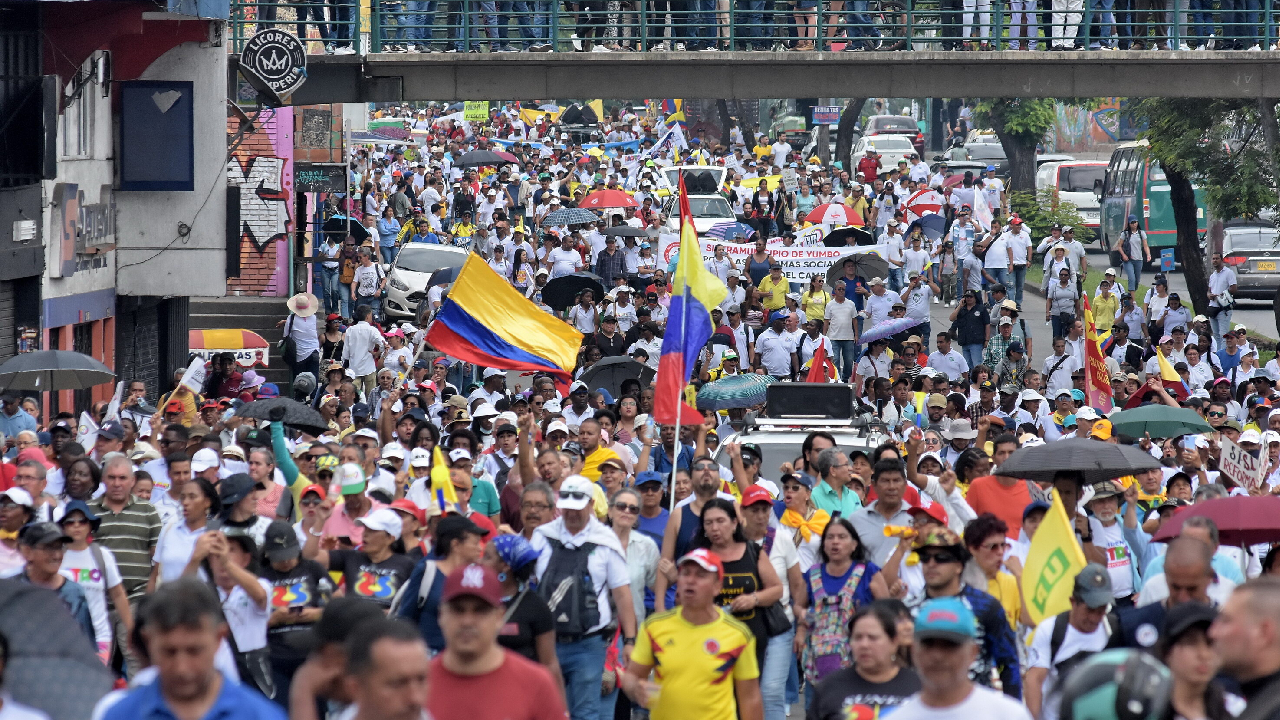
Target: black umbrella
point(866, 265)
point(840, 237)
point(53, 370)
point(625, 231)
point(52, 665)
point(480, 158)
point(570, 216)
point(443, 275)
point(563, 291)
point(296, 415)
point(1094, 460)
point(609, 374)
point(338, 226)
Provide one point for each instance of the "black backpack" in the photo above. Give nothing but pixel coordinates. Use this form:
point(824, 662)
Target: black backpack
point(1060, 626)
point(569, 591)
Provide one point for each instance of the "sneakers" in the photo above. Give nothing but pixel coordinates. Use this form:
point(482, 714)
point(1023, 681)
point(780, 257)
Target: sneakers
point(600, 49)
point(540, 47)
point(660, 47)
point(1255, 48)
point(710, 48)
point(577, 42)
point(679, 47)
point(345, 50)
point(951, 304)
point(935, 300)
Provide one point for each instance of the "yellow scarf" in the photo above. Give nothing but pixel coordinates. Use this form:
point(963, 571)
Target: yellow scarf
point(8, 535)
point(815, 524)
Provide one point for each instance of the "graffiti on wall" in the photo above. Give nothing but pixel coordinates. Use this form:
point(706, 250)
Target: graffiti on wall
point(1077, 129)
point(264, 204)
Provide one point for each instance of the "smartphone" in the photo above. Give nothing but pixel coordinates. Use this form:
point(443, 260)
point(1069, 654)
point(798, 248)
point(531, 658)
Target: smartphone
point(1189, 442)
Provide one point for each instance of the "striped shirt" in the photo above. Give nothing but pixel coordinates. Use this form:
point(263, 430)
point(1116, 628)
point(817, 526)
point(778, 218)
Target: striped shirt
point(131, 534)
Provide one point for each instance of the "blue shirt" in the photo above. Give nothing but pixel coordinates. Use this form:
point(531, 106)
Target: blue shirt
point(430, 237)
point(660, 463)
point(388, 230)
point(11, 425)
point(235, 702)
point(1229, 361)
point(427, 616)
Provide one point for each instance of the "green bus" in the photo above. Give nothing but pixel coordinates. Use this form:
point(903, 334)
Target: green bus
point(1136, 185)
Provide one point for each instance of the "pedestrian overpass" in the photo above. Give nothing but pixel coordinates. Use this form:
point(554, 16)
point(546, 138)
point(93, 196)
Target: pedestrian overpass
point(389, 77)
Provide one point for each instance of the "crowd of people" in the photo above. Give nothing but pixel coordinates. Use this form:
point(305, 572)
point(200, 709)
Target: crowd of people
point(456, 543)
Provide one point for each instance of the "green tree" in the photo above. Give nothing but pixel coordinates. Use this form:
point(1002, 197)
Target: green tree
point(1041, 209)
point(1020, 123)
point(1224, 146)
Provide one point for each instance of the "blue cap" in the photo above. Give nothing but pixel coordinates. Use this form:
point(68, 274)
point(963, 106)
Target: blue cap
point(1016, 346)
point(695, 141)
point(991, 168)
point(945, 618)
point(360, 410)
point(1133, 218)
point(515, 551)
point(1077, 394)
point(268, 390)
point(649, 476)
point(1069, 421)
point(778, 315)
point(83, 507)
point(1034, 506)
point(44, 438)
point(608, 398)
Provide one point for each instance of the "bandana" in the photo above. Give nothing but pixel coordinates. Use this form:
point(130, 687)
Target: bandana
point(815, 524)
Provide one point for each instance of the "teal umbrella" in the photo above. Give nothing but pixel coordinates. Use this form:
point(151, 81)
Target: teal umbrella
point(1161, 421)
point(736, 391)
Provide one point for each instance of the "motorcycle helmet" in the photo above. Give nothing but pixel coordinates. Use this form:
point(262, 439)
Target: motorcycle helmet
point(1116, 685)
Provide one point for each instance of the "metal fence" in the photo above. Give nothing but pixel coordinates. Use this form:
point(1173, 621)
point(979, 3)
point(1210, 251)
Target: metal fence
point(459, 26)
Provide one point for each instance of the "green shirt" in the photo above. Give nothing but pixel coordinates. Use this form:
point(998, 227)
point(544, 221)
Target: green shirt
point(824, 498)
point(484, 497)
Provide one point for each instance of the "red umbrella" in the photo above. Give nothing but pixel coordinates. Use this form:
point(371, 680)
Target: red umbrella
point(834, 214)
point(1241, 520)
point(608, 199)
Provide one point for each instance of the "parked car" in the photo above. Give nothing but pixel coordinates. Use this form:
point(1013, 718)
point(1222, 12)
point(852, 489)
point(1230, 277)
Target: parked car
point(896, 125)
point(1078, 182)
point(1250, 248)
point(703, 183)
point(407, 276)
point(890, 148)
point(991, 154)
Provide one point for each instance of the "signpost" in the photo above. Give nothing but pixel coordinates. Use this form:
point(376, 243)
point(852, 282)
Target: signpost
point(1247, 470)
point(826, 115)
point(275, 64)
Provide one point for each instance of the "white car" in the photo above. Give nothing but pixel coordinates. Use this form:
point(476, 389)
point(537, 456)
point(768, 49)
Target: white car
point(1075, 182)
point(890, 148)
point(703, 183)
point(407, 276)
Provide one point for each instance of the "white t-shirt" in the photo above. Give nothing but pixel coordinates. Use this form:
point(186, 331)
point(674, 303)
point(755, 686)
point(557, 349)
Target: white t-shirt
point(952, 363)
point(839, 317)
point(174, 549)
point(564, 262)
point(79, 566)
point(983, 702)
point(1073, 643)
point(915, 260)
point(878, 307)
point(583, 320)
point(14, 710)
point(1119, 562)
point(399, 360)
point(246, 619)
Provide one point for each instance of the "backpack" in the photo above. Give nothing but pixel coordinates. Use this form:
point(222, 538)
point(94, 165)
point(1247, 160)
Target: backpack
point(569, 590)
point(1060, 625)
point(424, 590)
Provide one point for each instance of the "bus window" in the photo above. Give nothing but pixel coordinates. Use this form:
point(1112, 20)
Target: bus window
point(1156, 173)
point(1110, 180)
point(1131, 165)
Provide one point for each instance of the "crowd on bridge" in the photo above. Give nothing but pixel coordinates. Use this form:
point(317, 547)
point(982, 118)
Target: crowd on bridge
point(420, 534)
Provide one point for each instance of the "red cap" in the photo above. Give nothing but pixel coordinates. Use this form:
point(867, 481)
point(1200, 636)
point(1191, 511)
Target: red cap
point(935, 511)
point(174, 405)
point(210, 405)
point(408, 506)
point(317, 489)
point(756, 494)
point(476, 581)
point(705, 559)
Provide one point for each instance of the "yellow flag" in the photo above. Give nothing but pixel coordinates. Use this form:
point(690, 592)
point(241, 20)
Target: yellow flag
point(1054, 560)
point(441, 487)
point(1166, 369)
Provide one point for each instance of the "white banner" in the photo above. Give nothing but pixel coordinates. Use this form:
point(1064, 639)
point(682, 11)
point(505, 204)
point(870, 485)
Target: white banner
point(799, 263)
point(1237, 464)
point(195, 375)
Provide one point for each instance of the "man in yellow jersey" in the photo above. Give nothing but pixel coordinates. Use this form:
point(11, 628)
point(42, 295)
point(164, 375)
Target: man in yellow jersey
point(703, 660)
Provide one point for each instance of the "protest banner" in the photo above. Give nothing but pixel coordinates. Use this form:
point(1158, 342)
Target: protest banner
point(476, 111)
point(1237, 464)
point(193, 379)
point(799, 263)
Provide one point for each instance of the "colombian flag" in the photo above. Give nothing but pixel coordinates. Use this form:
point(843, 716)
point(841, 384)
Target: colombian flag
point(1097, 381)
point(694, 291)
point(671, 107)
point(487, 322)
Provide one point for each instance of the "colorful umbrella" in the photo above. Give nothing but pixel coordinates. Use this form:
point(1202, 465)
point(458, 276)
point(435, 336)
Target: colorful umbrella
point(608, 199)
point(834, 214)
point(249, 347)
point(736, 391)
point(889, 328)
point(924, 202)
point(731, 231)
point(1241, 520)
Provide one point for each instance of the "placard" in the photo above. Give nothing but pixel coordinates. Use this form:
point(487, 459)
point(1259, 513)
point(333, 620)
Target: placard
point(193, 379)
point(790, 180)
point(476, 111)
point(826, 115)
point(1237, 464)
point(319, 177)
point(799, 263)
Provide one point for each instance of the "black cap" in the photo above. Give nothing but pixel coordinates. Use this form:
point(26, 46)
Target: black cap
point(416, 413)
point(235, 488)
point(505, 428)
point(63, 426)
point(1181, 618)
point(452, 524)
point(41, 533)
point(256, 439)
point(280, 542)
point(111, 430)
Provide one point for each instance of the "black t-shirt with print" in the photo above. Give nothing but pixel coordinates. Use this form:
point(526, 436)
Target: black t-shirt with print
point(362, 577)
point(307, 585)
point(530, 619)
point(845, 694)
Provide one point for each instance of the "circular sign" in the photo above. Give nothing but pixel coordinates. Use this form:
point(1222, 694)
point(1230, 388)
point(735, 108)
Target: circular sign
point(275, 61)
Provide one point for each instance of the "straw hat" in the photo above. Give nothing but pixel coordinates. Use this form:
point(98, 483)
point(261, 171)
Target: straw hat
point(303, 304)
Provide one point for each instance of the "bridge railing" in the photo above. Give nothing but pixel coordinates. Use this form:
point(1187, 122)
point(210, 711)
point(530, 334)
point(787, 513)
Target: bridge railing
point(462, 26)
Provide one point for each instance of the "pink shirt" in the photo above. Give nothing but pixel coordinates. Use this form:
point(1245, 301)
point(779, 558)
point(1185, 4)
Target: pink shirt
point(340, 524)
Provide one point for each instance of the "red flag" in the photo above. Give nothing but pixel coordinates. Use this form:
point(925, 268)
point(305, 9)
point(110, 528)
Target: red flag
point(1097, 381)
point(820, 363)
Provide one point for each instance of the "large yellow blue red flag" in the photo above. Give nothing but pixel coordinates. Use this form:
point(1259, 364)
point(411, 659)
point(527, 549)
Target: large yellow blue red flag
point(487, 322)
point(694, 291)
point(1053, 561)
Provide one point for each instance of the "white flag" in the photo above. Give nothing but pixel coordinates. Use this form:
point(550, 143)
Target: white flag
point(981, 211)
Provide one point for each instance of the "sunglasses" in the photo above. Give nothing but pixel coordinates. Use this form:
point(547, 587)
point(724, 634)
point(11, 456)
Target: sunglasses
point(995, 546)
point(627, 508)
point(574, 496)
point(310, 502)
point(708, 465)
point(941, 558)
point(1214, 413)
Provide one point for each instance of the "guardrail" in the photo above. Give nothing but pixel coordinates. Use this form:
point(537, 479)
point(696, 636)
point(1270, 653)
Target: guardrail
point(461, 26)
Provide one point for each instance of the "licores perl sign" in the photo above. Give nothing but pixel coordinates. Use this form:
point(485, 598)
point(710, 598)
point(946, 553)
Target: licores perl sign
point(274, 62)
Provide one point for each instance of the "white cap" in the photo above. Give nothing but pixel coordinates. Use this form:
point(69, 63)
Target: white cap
point(19, 496)
point(1087, 413)
point(1250, 436)
point(420, 457)
point(366, 433)
point(575, 493)
point(204, 459)
point(557, 425)
point(491, 372)
point(393, 450)
point(578, 385)
point(551, 406)
point(384, 519)
point(505, 418)
point(234, 451)
point(1028, 395)
point(457, 454)
point(485, 410)
point(1270, 436)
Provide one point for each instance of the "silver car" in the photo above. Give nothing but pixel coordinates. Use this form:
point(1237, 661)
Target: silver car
point(1251, 249)
point(407, 276)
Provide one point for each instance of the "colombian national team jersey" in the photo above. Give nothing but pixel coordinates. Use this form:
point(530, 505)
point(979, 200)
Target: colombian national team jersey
point(696, 665)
